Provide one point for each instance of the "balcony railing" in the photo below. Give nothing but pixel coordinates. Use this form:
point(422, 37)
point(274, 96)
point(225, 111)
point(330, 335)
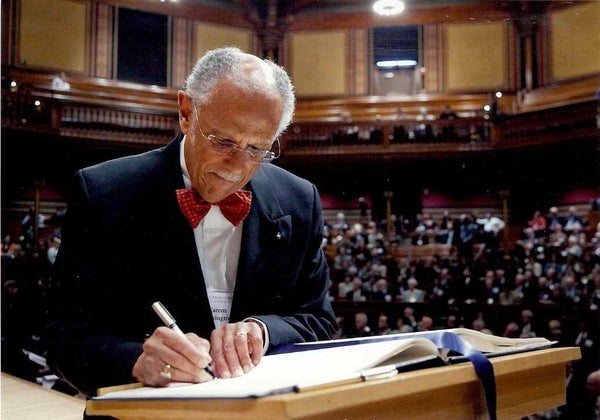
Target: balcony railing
point(353, 128)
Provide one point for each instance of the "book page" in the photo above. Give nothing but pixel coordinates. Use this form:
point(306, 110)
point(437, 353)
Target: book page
point(488, 343)
point(282, 372)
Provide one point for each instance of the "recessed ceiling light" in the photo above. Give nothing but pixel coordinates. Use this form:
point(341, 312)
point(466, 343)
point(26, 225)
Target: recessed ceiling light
point(388, 7)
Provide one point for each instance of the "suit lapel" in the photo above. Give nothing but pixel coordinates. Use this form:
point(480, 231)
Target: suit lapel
point(267, 231)
point(265, 243)
point(190, 283)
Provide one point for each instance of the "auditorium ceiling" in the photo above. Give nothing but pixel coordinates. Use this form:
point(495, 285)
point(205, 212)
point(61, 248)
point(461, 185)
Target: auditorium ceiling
point(417, 11)
point(297, 15)
point(290, 7)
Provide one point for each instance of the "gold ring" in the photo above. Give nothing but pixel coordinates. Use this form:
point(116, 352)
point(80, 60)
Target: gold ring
point(166, 372)
point(241, 334)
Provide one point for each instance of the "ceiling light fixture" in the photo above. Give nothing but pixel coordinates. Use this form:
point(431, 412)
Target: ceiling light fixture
point(388, 7)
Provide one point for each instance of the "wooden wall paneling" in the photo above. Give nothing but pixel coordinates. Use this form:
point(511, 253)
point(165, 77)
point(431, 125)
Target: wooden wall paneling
point(223, 15)
point(432, 59)
point(543, 53)
point(208, 36)
point(359, 57)
point(319, 62)
point(350, 59)
point(475, 57)
point(54, 34)
point(92, 35)
point(413, 15)
point(102, 40)
point(575, 41)
point(513, 51)
point(9, 31)
point(181, 62)
point(576, 91)
point(283, 53)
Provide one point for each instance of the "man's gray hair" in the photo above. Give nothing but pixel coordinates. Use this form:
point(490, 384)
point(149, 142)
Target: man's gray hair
point(228, 64)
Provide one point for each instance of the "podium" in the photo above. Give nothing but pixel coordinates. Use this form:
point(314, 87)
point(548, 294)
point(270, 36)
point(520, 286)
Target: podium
point(526, 383)
point(25, 400)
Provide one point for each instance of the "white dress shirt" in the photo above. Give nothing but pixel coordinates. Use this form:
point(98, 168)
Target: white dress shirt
point(218, 245)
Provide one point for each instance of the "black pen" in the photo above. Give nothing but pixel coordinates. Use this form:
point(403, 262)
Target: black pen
point(169, 321)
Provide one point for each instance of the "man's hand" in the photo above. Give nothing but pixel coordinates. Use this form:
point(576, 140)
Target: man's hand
point(236, 348)
point(186, 358)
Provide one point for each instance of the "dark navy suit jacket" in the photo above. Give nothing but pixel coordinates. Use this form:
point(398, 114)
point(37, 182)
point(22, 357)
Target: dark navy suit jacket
point(125, 244)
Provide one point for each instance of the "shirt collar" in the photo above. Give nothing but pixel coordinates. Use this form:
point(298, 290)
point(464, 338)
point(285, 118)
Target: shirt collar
point(184, 171)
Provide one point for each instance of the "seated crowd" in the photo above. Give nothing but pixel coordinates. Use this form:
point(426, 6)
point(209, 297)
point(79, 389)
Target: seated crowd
point(549, 279)
point(553, 263)
point(547, 284)
point(427, 131)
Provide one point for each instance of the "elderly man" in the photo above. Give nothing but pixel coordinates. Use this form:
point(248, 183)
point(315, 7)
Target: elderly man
point(230, 244)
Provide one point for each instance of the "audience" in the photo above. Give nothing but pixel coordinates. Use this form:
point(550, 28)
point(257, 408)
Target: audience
point(361, 326)
point(356, 293)
point(547, 284)
point(492, 226)
point(381, 291)
point(383, 327)
point(537, 224)
point(447, 128)
point(448, 113)
point(412, 294)
point(573, 221)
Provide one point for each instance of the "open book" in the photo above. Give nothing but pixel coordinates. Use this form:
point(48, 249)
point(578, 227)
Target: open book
point(327, 363)
point(495, 345)
point(491, 345)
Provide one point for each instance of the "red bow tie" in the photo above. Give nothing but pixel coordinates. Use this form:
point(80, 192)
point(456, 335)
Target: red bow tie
point(234, 207)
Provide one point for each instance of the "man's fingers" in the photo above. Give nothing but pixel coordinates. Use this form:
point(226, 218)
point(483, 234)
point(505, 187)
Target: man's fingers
point(243, 348)
point(236, 348)
point(255, 345)
point(169, 356)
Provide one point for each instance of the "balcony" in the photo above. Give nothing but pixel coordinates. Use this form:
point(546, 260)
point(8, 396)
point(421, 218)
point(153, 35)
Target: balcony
point(374, 129)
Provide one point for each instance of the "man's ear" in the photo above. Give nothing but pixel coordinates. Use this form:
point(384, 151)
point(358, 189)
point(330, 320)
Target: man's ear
point(186, 109)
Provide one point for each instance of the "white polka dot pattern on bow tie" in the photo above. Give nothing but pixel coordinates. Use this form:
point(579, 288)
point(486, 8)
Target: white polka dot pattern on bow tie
point(234, 207)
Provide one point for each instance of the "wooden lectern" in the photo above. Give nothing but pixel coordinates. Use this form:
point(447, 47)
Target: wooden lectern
point(526, 383)
point(25, 400)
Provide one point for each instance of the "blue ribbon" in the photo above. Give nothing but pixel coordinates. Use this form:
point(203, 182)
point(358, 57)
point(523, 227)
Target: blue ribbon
point(442, 339)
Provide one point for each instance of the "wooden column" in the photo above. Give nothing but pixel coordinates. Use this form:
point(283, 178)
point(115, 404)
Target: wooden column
point(528, 15)
point(528, 62)
point(39, 184)
point(504, 240)
point(388, 214)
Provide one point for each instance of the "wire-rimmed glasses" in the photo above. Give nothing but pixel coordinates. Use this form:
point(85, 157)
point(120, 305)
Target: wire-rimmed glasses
point(228, 147)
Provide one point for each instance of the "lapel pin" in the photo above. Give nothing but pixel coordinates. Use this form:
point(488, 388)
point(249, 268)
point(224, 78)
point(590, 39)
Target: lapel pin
point(278, 236)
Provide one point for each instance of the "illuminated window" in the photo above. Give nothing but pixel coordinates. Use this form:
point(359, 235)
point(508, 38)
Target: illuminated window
point(396, 47)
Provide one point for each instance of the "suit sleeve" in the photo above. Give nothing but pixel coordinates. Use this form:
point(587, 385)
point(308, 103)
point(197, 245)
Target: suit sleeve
point(79, 349)
point(314, 318)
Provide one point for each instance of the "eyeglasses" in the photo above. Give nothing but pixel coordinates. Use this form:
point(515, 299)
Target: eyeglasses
point(229, 147)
